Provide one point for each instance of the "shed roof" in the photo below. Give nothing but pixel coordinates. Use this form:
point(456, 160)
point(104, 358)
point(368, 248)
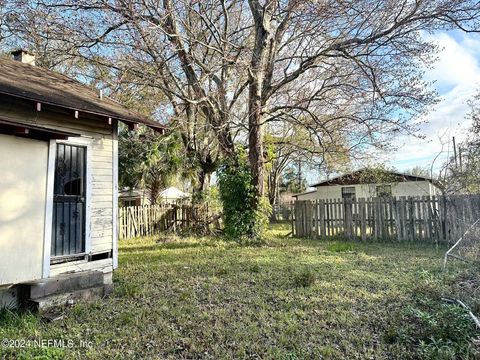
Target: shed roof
point(354, 178)
point(45, 86)
point(173, 193)
point(304, 193)
point(132, 193)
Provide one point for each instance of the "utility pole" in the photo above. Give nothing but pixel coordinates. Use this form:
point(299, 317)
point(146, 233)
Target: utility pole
point(455, 152)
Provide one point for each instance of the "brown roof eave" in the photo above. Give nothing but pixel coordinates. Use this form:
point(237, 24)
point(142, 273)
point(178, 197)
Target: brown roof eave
point(129, 121)
point(32, 131)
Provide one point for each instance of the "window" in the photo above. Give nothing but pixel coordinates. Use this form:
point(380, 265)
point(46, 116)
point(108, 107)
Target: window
point(348, 192)
point(131, 202)
point(384, 190)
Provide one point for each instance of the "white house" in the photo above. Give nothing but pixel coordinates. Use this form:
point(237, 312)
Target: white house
point(141, 197)
point(357, 185)
point(134, 197)
point(173, 195)
point(58, 185)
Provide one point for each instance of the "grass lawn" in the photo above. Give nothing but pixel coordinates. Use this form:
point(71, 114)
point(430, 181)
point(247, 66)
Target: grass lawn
point(289, 299)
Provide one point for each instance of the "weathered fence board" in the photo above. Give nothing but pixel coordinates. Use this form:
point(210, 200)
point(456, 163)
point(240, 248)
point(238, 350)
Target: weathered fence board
point(441, 218)
point(134, 221)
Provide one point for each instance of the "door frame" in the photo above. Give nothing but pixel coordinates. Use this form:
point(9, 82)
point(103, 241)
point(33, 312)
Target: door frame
point(47, 239)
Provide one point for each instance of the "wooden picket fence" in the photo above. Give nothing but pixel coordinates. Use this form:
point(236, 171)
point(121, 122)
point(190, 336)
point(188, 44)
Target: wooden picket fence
point(134, 221)
point(442, 219)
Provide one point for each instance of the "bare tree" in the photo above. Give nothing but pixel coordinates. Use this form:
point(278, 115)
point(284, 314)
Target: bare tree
point(460, 174)
point(349, 70)
point(134, 68)
point(357, 61)
point(291, 144)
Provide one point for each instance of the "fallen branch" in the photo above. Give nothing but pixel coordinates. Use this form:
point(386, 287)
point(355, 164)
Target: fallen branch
point(458, 302)
point(447, 254)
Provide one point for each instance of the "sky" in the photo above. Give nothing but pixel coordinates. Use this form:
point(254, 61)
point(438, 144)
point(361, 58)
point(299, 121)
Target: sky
point(457, 78)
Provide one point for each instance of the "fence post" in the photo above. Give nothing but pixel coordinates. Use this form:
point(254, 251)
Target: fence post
point(292, 212)
point(321, 211)
point(402, 219)
point(347, 221)
point(309, 217)
point(298, 215)
point(328, 224)
point(363, 221)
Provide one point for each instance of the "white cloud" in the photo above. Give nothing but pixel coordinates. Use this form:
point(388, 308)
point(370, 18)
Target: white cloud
point(457, 62)
point(457, 76)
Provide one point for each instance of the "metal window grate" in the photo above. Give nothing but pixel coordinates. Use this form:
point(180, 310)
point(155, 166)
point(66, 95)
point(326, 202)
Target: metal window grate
point(348, 192)
point(68, 235)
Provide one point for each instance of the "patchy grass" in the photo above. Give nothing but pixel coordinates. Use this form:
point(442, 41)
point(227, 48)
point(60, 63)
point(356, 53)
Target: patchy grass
point(281, 229)
point(289, 299)
point(341, 247)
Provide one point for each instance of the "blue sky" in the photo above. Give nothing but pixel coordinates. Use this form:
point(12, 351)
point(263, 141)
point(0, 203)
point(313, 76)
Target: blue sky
point(457, 78)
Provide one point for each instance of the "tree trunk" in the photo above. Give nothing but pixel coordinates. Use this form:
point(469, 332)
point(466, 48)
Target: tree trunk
point(255, 143)
point(207, 166)
point(256, 100)
point(273, 187)
point(204, 176)
point(154, 188)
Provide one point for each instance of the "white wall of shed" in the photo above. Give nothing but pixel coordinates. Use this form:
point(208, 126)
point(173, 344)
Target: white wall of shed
point(408, 188)
point(23, 185)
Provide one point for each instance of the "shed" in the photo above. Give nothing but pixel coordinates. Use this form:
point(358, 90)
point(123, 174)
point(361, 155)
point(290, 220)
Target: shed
point(361, 184)
point(59, 185)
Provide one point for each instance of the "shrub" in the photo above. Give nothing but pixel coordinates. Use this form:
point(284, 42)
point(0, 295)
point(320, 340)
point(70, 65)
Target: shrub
point(242, 223)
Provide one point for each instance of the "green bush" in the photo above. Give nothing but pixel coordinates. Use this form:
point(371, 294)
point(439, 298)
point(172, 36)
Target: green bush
point(242, 223)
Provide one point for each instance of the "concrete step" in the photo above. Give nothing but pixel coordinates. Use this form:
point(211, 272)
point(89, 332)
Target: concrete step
point(56, 301)
point(63, 284)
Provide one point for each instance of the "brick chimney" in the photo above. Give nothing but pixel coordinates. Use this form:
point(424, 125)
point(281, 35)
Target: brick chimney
point(24, 56)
